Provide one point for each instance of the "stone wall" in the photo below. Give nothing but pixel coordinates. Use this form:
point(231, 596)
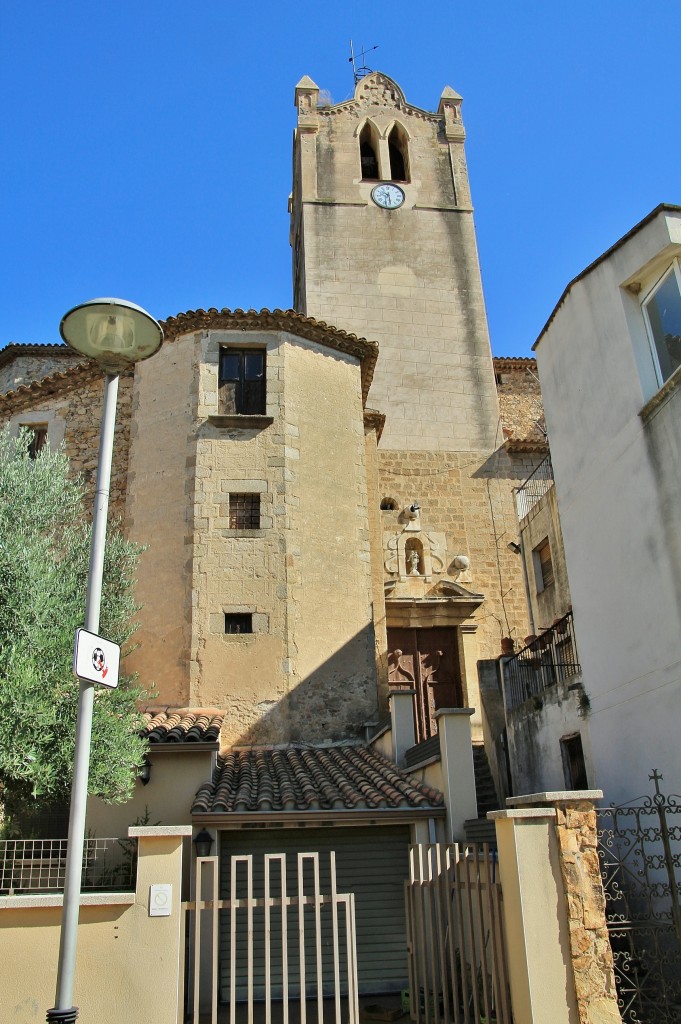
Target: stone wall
point(592, 959)
point(22, 364)
point(520, 401)
point(83, 415)
point(72, 415)
point(468, 497)
point(307, 671)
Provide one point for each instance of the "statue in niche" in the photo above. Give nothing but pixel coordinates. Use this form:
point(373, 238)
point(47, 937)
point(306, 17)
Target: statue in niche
point(413, 560)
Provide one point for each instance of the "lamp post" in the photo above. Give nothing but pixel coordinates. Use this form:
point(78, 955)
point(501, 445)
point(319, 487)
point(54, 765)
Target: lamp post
point(116, 334)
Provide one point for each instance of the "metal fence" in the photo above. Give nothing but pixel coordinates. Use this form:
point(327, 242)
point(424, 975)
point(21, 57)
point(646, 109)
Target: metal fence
point(455, 935)
point(39, 865)
point(305, 940)
point(639, 846)
point(534, 488)
point(548, 660)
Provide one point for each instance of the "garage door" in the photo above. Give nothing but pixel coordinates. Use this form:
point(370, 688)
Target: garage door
point(372, 863)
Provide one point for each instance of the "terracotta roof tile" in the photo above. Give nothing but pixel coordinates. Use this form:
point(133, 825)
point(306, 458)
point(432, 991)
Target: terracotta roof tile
point(299, 778)
point(183, 725)
point(277, 320)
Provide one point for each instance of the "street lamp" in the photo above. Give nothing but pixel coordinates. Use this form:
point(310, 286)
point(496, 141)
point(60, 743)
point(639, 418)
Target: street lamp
point(116, 334)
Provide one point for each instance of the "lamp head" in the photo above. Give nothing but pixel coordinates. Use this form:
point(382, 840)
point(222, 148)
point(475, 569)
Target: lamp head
point(114, 332)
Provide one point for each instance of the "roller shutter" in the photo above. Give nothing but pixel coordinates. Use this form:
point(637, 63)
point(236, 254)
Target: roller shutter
point(371, 862)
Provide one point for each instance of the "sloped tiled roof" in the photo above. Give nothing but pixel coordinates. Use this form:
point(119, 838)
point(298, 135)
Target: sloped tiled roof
point(58, 382)
point(311, 779)
point(183, 725)
point(15, 348)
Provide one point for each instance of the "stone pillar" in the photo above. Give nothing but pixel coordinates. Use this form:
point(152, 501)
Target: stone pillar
point(458, 774)
point(535, 918)
point(469, 675)
point(402, 721)
point(589, 943)
point(159, 861)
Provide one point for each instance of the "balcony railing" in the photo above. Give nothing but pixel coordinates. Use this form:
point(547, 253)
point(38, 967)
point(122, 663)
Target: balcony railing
point(548, 660)
point(534, 488)
point(39, 865)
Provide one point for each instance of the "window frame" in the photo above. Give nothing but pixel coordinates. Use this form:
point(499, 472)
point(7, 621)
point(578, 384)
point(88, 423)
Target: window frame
point(252, 498)
point(39, 439)
point(241, 399)
point(540, 576)
point(235, 617)
point(674, 269)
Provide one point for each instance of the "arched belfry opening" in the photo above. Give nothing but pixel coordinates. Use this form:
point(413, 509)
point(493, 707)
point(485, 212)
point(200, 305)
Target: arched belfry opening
point(368, 152)
point(399, 154)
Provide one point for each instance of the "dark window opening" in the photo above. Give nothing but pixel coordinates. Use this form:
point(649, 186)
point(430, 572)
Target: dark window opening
point(574, 766)
point(388, 505)
point(543, 566)
point(242, 382)
point(238, 623)
point(368, 155)
point(244, 511)
point(397, 148)
point(38, 440)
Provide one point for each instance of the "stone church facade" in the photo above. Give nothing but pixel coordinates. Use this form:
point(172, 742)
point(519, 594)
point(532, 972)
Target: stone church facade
point(327, 510)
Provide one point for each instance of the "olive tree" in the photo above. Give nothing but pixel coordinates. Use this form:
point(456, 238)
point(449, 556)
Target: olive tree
point(44, 558)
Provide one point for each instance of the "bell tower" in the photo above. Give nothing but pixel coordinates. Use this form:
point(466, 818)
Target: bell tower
point(384, 247)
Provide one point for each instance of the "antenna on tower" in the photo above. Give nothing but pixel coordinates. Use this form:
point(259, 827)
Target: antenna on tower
point(362, 71)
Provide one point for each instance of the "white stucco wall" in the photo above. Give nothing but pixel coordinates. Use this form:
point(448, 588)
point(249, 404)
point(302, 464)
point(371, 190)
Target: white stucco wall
point(617, 484)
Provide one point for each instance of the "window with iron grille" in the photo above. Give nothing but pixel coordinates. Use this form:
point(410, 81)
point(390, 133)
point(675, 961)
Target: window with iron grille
point(244, 511)
point(38, 439)
point(238, 622)
point(242, 384)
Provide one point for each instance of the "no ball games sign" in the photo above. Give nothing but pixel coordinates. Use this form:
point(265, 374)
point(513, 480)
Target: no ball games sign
point(96, 660)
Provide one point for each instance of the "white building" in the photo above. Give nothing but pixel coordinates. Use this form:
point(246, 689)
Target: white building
point(609, 360)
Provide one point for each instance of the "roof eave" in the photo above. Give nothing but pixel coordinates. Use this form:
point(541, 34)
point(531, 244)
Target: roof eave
point(669, 207)
point(365, 816)
point(181, 747)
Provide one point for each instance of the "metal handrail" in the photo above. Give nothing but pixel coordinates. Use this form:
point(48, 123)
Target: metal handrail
point(534, 488)
point(546, 661)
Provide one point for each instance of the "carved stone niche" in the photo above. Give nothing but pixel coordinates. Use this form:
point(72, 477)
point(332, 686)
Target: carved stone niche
point(413, 554)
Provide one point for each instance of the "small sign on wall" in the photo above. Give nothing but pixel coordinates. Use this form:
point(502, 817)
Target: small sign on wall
point(160, 900)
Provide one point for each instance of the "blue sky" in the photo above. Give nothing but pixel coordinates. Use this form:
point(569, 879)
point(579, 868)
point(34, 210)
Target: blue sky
point(145, 149)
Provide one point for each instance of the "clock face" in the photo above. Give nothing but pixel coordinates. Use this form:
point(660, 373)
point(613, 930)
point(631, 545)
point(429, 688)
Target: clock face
point(388, 196)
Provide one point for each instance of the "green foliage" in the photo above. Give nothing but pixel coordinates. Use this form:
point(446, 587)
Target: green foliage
point(44, 559)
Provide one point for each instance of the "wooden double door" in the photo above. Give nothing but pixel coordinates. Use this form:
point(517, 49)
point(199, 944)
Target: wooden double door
point(426, 660)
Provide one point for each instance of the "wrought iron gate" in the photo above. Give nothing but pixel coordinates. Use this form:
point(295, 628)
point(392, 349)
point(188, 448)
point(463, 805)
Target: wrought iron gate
point(639, 845)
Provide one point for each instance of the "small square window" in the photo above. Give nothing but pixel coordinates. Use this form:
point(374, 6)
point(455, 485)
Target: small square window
point(238, 622)
point(244, 511)
point(543, 565)
point(242, 383)
point(38, 439)
point(662, 314)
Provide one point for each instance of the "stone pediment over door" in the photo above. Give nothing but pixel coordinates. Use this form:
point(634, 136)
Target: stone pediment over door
point(447, 604)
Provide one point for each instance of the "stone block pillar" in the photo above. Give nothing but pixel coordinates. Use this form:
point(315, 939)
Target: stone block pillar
point(402, 721)
point(458, 774)
point(560, 961)
point(591, 954)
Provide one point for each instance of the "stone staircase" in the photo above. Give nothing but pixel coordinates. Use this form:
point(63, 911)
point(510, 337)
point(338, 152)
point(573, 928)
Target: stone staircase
point(480, 830)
